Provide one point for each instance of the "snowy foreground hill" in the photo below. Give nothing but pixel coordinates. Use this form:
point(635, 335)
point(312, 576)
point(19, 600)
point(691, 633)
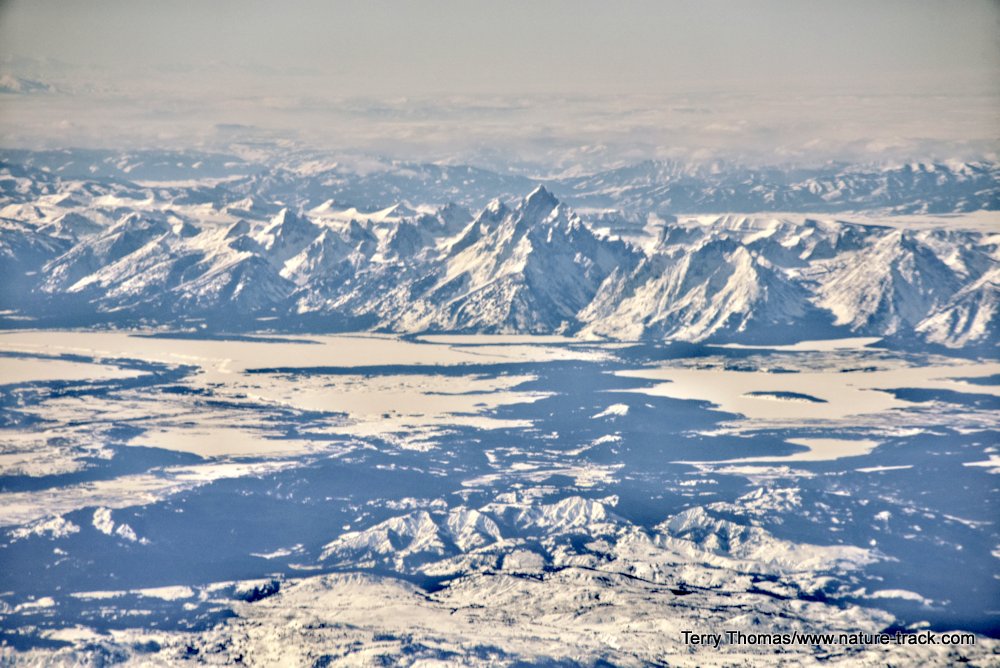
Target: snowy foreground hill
point(311, 413)
point(272, 249)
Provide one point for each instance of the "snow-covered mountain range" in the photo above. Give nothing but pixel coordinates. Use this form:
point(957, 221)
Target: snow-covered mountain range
point(625, 256)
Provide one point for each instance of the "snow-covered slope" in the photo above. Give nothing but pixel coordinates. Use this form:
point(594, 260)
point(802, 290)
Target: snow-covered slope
point(78, 266)
point(718, 287)
point(970, 317)
point(886, 286)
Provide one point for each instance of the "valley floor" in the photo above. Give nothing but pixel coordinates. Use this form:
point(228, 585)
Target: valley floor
point(359, 499)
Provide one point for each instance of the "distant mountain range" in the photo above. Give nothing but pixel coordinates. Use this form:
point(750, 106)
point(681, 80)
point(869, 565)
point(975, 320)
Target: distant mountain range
point(302, 181)
point(222, 243)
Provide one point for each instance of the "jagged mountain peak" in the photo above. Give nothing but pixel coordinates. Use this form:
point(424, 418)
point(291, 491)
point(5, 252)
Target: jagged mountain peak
point(286, 217)
point(135, 220)
point(539, 202)
point(326, 206)
point(451, 219)
point(238, 229)
point(514, 270)
point(452, 210)
point(286, 235)
point(72, 225)
point(356, 231)
point(251, 207)
point(400, 210)
point(494, 209)
point(540, 208)
point(408, 238)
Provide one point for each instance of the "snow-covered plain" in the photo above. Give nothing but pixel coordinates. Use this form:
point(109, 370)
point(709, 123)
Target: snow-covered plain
point(368, 498)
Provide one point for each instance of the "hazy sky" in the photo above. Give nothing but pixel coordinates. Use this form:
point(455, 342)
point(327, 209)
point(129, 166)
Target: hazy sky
point(515, 46)
point(223, 61)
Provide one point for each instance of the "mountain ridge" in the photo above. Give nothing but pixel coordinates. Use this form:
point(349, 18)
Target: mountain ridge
point(109, 254)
